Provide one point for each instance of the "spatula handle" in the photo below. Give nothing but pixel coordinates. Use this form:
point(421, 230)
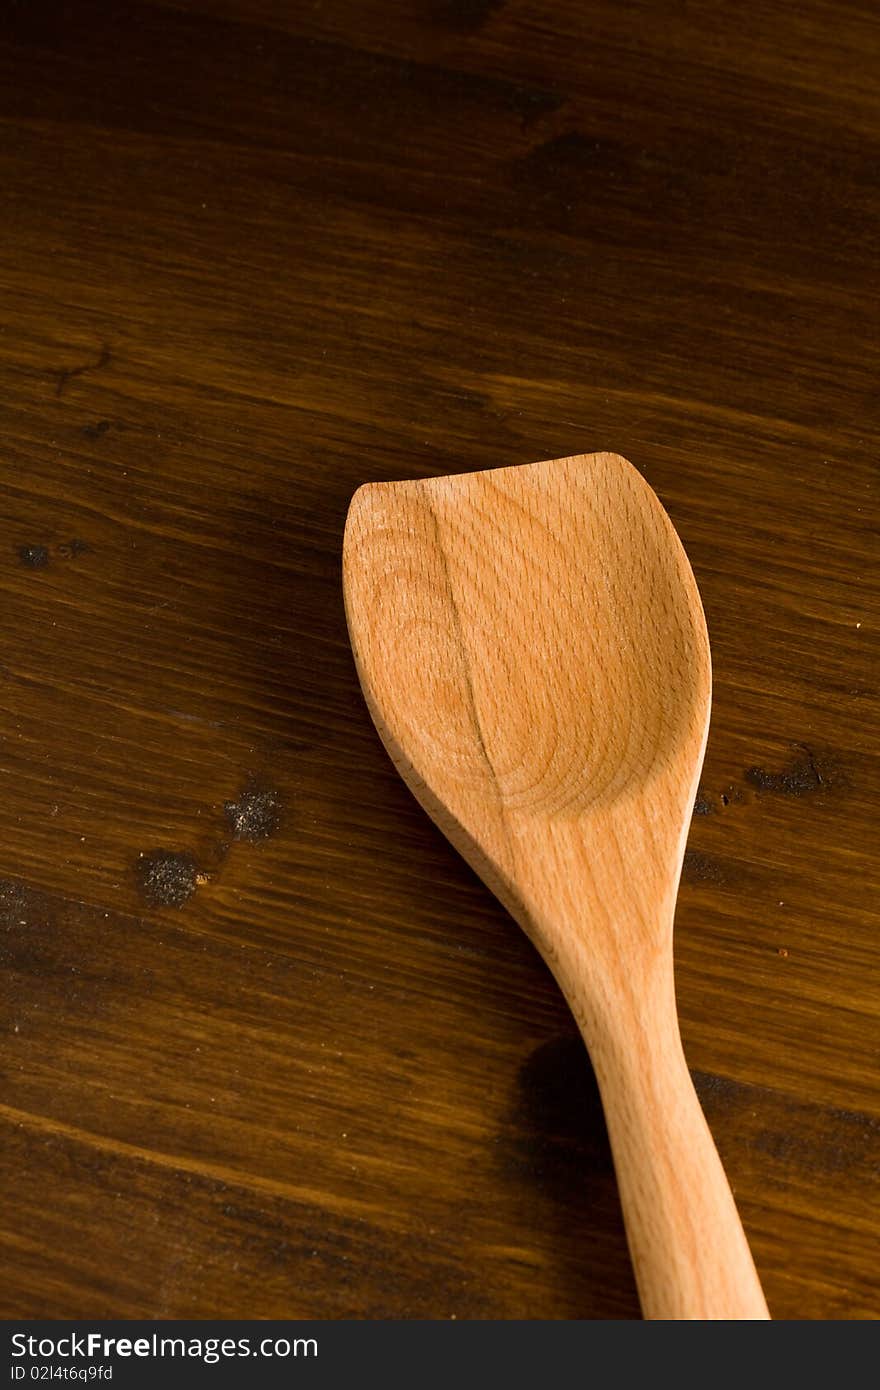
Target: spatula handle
point(688, 1247)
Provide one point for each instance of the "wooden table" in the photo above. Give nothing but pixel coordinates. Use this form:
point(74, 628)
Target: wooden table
point(270, 1049)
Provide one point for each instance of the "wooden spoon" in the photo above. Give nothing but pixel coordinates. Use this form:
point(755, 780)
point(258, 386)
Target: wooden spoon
point(533, 651)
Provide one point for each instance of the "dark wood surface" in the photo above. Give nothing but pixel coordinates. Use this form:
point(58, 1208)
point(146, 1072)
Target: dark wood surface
point(269, 1048)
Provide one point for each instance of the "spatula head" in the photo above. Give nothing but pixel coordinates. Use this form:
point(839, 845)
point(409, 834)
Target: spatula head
point(532, 647)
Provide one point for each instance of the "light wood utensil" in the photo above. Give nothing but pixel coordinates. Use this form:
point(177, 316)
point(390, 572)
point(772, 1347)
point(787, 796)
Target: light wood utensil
point(533, 651)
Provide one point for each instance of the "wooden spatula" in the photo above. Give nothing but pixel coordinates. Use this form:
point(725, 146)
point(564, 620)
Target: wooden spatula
point(533, 651)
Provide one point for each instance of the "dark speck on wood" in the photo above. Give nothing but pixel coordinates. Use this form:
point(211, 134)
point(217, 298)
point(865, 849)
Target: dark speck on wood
point(69, 550)
point(255, 815)
point(701, 868)
point(34, 557)
point(802, 776)
point(96, 430)
point(13, 903)
point(166, 878)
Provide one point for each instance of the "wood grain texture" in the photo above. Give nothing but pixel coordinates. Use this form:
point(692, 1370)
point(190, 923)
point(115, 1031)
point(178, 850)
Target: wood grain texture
point(533, 651)
point(255, 256)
